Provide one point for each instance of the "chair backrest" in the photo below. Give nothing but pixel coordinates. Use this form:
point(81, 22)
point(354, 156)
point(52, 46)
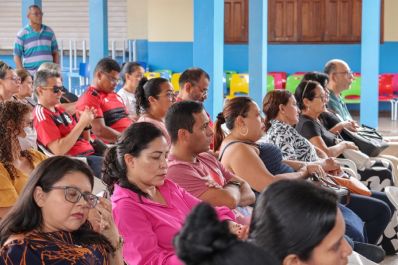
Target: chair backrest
point(353, 94)
point(270, 83)
point(280, 79)
point(239, 85)
point(292, 82)
point(165, 73)
point(175, 81)
point(385, 85)
point(151, 75)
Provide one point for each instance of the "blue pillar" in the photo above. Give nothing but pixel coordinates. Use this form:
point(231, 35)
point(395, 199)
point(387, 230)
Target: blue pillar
point(24, 11)
point(98, 16)
point(208, 49)
point(258, 29)
point(370, 44)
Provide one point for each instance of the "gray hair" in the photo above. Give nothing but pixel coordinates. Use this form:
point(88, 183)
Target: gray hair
point(48, 66)
point(42, 76)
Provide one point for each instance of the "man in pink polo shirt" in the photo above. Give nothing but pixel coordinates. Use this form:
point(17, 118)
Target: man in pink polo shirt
point(192, 167)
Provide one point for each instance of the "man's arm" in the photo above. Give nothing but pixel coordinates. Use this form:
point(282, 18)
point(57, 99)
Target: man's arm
point(104, 132)
point(18, 62)
point(247, 196)
point(228, 196)
point(56, 57)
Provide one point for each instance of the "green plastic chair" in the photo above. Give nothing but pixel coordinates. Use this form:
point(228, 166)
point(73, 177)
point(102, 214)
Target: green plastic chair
point(228, 76)
point(270, 83)
point(292, 82)
point(353, 94)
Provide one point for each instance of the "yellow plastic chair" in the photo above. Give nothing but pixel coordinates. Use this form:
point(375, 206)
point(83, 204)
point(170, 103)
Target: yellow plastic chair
point(175, 78)
point(151, 75)
point(239, 85)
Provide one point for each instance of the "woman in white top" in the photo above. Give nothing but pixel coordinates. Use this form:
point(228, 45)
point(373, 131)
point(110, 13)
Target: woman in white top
point(131, 75)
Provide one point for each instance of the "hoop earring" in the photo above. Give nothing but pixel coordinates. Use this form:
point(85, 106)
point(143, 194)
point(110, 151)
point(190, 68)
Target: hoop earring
point(245, 133)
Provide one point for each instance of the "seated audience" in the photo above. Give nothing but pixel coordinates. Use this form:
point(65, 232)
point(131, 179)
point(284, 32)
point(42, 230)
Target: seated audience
point(204, 240)
point(56, 129)
point(153, 98)
point(48, 224)
point(10, 83)
point(312, 99)
point(300, 229)
point(131, 75)
point(194, 169)
point(112, 117)
point(26, 92)
point(258, 164)
point(148, 208)
point(16, 161)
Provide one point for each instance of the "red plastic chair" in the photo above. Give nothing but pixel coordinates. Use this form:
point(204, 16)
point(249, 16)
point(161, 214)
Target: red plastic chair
point(386, 93)
point(280, 79)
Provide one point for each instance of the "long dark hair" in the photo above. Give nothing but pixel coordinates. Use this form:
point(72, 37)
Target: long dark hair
point(204, 240)
point(12, 114)
point(271, 103)
point(145, 89)
point(133, 140)
point(293, 217)
point(233, 108)
point(26, 216)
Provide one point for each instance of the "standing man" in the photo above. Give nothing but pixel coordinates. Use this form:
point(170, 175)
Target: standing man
point(35, 43)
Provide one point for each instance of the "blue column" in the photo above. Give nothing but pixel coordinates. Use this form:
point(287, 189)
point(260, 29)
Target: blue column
point(370, 44)
point(98, 16)
point(208, 49)
point(24, 11)
point(258, 29)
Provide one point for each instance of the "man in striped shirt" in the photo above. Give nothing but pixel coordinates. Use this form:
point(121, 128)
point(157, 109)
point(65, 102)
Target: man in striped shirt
point(35, 43)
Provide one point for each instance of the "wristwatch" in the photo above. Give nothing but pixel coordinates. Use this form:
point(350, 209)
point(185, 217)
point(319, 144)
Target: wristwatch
point(234, 182)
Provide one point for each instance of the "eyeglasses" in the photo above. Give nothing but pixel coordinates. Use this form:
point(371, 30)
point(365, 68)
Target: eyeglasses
point(73, 195)
point(55, 89)
point(16, 79)
point(111, 78)
point(346, 73)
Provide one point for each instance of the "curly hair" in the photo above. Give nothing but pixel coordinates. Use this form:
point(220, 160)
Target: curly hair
point(11, 119)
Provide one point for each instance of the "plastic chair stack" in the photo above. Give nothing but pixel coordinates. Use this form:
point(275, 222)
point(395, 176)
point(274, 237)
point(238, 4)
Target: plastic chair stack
point(175, 79)
point(239, 85)
point(292, 82)
point(386, 93)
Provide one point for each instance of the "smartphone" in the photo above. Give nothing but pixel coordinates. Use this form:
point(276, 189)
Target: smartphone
point(104, 194)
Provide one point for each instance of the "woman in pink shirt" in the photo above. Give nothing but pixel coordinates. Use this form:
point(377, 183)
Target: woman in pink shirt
point(153, 98)
point(148, 209)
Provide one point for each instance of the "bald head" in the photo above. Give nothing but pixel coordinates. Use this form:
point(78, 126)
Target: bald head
point(340, 75)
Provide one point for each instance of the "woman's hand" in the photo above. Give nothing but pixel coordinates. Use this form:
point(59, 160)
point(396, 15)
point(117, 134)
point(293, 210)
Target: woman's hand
point(104, 221)
point(317, 169)
point(349, 145)
point(241, 231)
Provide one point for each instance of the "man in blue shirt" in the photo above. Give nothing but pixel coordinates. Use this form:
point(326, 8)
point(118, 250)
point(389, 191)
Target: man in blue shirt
point(35, 43)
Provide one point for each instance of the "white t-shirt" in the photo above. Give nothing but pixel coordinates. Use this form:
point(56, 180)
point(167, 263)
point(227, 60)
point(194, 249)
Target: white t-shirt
point(128, 100)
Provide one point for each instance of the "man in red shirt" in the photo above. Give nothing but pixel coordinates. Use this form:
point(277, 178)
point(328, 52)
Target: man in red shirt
point(112, 117)
point(56, 129)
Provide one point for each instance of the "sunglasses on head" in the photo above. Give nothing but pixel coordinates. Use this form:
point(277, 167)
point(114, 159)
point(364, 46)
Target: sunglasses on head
point(55, 89)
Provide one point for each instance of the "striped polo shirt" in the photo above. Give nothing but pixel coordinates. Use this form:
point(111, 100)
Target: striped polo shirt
point(35, 47)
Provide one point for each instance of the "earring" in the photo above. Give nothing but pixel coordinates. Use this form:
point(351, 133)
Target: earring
point(246, 131)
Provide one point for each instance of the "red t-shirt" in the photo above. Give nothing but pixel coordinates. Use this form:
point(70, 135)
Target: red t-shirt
point(51, 126)
point(109, 106)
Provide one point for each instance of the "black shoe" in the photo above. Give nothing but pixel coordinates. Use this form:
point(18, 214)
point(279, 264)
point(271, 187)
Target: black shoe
point(369, 251)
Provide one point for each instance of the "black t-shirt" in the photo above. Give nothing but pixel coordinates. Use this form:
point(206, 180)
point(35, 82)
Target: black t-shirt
point(309, 128)
point(329, 119)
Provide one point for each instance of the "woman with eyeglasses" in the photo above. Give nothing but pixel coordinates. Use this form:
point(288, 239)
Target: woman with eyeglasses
point(153, 98)
point(48, 224)
point(10, 83)
point(148, 208)
point(17, 160)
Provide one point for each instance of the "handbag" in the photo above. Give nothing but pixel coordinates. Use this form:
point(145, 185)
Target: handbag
point(354, 185)
point(368, 140)
point(361, 160)
point(328, 183)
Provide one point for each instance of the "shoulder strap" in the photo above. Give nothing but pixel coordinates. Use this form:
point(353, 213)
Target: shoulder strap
point(231, 143)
